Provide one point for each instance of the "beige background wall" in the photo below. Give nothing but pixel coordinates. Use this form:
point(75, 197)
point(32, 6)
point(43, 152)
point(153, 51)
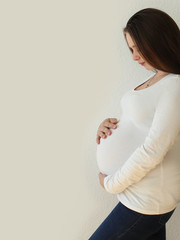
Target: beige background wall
point(64, 67)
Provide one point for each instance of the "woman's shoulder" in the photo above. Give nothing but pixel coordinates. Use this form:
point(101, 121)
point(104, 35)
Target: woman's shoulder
point(172, 78)
point(170, 87)
point(171, 82)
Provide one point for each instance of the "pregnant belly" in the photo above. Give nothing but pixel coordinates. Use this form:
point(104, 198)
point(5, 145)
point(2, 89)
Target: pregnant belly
point(113, 151)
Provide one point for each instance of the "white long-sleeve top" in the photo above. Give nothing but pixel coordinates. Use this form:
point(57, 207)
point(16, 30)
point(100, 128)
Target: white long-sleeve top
point(142, 156)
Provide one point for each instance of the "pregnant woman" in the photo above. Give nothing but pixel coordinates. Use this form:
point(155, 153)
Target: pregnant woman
point(140, 161)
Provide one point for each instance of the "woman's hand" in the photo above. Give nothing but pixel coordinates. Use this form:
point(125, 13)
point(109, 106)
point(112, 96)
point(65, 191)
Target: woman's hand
point(101, 178)
point(104, 128)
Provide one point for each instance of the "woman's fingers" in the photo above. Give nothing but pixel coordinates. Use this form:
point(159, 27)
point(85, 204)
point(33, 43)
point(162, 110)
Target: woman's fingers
point(107, 125)
point(110, 123)
point(100, 135)
point(104, 128)
point(98, 139)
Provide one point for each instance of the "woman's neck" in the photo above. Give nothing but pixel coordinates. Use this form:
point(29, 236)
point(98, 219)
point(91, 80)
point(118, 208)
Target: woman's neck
point(161, 73)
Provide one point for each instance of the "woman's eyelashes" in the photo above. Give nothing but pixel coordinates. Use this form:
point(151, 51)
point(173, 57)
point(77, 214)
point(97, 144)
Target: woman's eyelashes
point(135, 50)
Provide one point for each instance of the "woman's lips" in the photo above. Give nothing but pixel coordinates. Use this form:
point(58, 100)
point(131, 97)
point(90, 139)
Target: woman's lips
point(142, 63)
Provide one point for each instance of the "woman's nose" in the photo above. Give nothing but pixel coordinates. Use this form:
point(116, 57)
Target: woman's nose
point(136, 56)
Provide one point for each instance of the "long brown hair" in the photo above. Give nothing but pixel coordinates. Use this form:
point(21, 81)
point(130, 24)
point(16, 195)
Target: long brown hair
point(157, 37)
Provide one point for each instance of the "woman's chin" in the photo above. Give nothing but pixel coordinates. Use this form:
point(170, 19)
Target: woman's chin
point(148, 67)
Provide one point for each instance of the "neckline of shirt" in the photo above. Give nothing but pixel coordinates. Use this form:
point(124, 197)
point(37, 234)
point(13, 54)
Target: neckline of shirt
point(153, 85)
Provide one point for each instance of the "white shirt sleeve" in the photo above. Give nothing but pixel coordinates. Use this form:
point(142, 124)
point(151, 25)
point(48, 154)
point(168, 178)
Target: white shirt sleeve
point(162, 135)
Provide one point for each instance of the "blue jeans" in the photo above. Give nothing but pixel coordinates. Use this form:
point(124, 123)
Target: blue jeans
point(126, 224)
